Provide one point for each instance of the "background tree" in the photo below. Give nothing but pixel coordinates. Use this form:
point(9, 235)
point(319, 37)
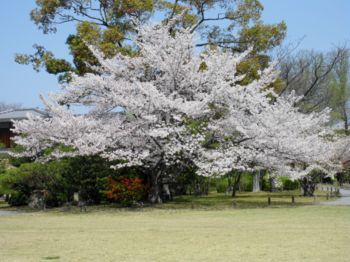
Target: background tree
point(102, 23)
point(340, 91)
point(308, 74)
point(109, 24)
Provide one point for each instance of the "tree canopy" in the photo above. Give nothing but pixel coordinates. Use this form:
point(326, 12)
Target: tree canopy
point(154, 108)
point(109, 25)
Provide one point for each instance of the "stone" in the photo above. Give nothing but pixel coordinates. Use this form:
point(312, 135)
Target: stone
point(37, 199)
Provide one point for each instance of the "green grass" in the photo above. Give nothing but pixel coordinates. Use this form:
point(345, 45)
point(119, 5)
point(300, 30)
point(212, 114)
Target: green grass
point(3, 205)
point(244, 200)
point(302, 233)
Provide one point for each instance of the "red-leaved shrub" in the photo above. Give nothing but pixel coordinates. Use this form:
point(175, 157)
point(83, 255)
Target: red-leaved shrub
point(125, 190)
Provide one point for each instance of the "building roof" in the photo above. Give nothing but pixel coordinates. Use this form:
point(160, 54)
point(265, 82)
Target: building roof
point(19, 114)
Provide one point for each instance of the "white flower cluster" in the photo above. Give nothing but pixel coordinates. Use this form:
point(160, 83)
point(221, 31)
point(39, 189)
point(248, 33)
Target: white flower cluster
point(138, 108)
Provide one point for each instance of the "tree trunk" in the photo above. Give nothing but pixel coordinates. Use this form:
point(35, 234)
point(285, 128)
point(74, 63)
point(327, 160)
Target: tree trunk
point(273, 187)
point(166, 193)
point(346, 125)
point(256, 181)
point(229, 187)
point(237, 179)
point(155, 189)
point(308, 186)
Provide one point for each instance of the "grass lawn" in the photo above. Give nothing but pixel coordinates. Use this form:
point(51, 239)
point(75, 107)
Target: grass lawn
point(290, 233)
point(245, 200)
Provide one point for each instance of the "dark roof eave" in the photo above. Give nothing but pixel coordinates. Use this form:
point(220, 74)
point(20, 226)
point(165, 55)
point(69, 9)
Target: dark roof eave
point(10, 120)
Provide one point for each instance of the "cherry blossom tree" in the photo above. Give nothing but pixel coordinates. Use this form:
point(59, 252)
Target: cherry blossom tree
point(260, 131)
point(153, 92)
point(138, 109)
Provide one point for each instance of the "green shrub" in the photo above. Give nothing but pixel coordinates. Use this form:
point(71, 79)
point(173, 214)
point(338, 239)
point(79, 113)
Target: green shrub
point(266, 184)
point(2, 166)
point(200, 185)
point(308, 183)
point(182, 177)
point(327, 180)
point(22, 181)
point(246, 182)
point(17, 199)
point(61, 178)
point(288, 184)
point(343, 177)
point(221, 185)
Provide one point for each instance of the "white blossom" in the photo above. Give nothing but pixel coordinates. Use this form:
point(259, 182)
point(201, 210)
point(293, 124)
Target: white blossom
point(167, 83)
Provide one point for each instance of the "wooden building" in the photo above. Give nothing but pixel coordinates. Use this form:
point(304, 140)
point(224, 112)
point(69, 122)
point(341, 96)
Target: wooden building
point(6, 118)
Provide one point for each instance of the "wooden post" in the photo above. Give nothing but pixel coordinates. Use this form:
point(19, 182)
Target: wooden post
point(327, 196)
point(293, 200)
point(269, 200)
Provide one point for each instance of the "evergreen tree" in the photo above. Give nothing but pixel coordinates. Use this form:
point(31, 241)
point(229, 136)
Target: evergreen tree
point(110, 24)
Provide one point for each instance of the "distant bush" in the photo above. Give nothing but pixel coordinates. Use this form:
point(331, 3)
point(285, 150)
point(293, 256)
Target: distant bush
point(288, 184)
point(246, 182)
point(343, 177)
point(61, 178)
point(88, 176)
point(17, 199)
point(266, 184)
point(2, 165)
point(21, 182)
point(308, 183)
point(125, 190)
point(221, 185)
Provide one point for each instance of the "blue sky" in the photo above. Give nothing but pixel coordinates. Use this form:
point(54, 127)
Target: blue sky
point(323, 23)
